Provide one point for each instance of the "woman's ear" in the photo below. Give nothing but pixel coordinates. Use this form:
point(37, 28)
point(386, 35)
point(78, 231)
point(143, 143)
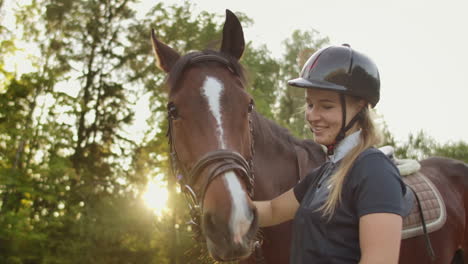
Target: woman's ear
point(355, 104)
point(363, 104)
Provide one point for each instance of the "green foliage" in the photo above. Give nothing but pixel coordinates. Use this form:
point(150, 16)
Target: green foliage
point(263, 73)
point(421, 146)
point(456, 150)
point(63, 174)
point(7, 47)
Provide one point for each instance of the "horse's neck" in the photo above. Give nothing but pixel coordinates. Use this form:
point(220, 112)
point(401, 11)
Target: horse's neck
point(280, 159)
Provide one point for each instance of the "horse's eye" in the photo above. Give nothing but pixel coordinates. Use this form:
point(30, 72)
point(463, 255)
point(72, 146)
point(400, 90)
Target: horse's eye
point(172, 111)
point(251, 106)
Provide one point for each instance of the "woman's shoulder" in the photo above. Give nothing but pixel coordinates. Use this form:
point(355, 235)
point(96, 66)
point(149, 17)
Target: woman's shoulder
point(376, 184)
point(372, 155)
point(370, 151)
point(372, 161)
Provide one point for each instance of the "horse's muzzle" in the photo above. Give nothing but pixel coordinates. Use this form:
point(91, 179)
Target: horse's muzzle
point(222, 244)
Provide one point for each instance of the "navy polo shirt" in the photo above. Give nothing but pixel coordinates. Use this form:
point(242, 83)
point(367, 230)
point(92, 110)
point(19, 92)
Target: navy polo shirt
point(372, 185)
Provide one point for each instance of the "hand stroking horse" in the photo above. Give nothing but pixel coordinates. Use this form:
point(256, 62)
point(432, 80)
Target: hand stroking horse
point(225, 155)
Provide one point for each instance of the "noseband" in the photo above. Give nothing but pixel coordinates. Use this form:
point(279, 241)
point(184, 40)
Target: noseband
point(215, 162)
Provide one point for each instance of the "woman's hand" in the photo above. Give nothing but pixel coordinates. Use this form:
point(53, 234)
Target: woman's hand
point(380, 238)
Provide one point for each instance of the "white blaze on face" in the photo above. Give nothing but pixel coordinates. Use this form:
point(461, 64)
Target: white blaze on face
point(212, 89)
point(241, 217)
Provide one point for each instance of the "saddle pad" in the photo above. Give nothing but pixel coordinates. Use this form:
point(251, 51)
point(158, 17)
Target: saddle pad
point(407, 166)
point(432, 205)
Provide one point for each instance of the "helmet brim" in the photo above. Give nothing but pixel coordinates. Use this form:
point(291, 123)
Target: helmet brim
point(304, 83)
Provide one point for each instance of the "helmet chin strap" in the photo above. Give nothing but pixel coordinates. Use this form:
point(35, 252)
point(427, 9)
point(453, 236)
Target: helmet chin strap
point(344, 129)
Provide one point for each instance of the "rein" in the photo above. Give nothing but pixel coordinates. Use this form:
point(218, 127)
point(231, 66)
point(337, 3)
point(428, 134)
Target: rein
point(216, 162)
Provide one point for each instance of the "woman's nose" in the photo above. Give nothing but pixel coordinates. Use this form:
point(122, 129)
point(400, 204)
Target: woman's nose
point(312, 115)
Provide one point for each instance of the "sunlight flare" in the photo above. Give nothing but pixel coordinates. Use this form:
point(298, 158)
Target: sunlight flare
point(156, 196)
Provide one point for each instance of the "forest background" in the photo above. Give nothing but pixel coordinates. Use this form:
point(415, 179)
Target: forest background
point(78, 153)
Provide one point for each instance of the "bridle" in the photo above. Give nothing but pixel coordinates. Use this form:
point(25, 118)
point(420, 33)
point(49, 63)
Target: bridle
point(216, 162)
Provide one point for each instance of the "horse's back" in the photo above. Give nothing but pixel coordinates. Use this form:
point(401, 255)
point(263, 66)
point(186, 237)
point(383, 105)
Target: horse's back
point(455, 167)
point(309, 155)
point(450, 177)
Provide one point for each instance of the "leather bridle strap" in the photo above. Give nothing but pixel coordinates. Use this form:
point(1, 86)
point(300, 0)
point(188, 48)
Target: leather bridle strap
point(221, 161)
point(212, 57)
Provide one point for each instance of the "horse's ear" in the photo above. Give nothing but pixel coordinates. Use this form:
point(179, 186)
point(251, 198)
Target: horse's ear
point(233, 36)
point(166, 57)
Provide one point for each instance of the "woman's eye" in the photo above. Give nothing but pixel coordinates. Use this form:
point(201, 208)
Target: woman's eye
point(328, 107)
point(310, 105)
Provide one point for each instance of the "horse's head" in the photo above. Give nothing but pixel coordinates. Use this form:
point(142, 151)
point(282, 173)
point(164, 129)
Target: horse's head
point(211, 142)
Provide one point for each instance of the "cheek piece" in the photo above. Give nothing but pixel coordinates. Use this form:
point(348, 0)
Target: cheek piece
point(331, 147)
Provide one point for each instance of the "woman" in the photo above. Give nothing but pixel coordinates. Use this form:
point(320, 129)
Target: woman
point(349, 210)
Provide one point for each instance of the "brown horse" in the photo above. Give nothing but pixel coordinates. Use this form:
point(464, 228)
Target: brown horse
point(226, 155)
point(224, 150)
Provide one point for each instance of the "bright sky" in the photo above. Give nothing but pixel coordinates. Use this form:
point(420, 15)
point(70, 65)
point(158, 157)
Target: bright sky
point(420, 47)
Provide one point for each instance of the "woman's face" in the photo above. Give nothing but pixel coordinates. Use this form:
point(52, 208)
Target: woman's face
point(323, 113)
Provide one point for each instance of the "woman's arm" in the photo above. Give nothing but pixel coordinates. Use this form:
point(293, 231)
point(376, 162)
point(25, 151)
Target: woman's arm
point(380, 237)
point(278, 210)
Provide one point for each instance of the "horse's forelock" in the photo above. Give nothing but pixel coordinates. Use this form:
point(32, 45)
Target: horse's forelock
point(185, 62)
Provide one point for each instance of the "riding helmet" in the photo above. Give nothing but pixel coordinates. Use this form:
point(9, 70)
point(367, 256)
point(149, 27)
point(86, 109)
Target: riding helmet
point(341, 69)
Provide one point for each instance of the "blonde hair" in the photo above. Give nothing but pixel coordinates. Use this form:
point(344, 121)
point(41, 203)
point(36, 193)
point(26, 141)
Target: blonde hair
point(370, 136)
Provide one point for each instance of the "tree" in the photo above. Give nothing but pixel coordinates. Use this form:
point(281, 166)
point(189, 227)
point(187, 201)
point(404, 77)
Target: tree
point(421, 146)
point(65, 155)
point(456, 150)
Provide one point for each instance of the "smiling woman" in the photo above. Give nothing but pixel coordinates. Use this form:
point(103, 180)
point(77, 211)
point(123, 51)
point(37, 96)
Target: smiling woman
point(156, 195)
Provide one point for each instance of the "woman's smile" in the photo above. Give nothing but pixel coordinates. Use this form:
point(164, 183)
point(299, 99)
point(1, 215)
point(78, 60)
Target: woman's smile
point(318, 129)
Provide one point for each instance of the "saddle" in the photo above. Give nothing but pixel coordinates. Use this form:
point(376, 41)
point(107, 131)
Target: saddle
point(431, 202)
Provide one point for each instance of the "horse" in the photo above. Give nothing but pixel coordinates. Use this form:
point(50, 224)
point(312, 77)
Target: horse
point(225, 154)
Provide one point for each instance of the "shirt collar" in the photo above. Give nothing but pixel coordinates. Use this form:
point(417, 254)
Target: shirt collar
point(345, 146)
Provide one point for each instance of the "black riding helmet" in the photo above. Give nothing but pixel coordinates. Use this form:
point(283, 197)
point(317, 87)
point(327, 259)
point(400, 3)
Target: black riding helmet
point(346, 71)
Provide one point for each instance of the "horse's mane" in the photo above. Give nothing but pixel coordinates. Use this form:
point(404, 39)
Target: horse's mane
point(185, 61)
point(272, 133)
